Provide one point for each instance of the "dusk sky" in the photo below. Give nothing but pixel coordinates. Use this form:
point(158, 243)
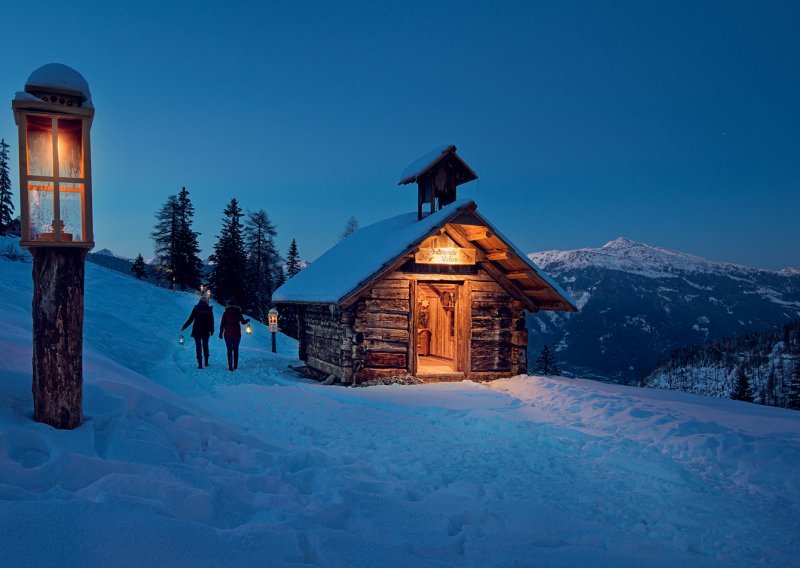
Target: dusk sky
point(671, 123)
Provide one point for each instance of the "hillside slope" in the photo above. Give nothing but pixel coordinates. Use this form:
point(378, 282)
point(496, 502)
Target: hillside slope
point(769, 360)
point(639, 302)
point(185, 467)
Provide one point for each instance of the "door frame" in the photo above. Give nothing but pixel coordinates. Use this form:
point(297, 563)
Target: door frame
point(463, 324)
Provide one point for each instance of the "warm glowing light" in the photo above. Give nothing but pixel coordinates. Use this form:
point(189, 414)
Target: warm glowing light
point(273, 320)
point(248, 330)
point(445, 255)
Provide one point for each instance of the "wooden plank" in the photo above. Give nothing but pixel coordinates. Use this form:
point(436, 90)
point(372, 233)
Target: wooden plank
point(398, 335)
point(518, 275)
point(368, 373)
point(464, 328)
point(381, 320)
point(400, 293)
point(386, 346)
point(487, 286)
point(326, 367)
point(412, 328)
point(475, 233)
point(446, 255)
point(497, 255)
point(380, 359)
point(386, 306)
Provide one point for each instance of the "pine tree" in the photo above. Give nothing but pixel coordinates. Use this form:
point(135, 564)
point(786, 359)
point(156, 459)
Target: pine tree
point(227, 279)
point(188, 264)
point(742, 389)
point(350, 227)
point(546, 364)
point(263, 262)
point(165, 238)
point(175, 242)
point(6, 204)
point(280, 277)
point(292, 260)
point(138, 268)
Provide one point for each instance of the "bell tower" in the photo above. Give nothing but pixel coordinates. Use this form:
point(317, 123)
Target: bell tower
point(438, 173)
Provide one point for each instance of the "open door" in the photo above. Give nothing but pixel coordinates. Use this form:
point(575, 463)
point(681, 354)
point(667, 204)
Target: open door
point(437, 328)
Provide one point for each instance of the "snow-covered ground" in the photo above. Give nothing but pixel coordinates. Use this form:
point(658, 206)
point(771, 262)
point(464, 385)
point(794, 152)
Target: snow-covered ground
point(176, 466)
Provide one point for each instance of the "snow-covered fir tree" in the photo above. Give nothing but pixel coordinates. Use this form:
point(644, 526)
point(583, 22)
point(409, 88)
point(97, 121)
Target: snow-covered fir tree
point(228, 277)
point(293, 260)
point(263, 262)
point(350, 227)
point(138, 268)
point(6, 203)
point(546, 363)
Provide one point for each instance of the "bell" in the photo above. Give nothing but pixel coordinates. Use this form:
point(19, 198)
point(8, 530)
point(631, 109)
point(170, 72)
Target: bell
point(180, 339)
point(248, 330)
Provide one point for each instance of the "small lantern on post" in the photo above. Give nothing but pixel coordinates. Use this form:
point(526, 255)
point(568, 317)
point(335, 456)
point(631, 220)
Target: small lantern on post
point(273, 327)
point(54, 116)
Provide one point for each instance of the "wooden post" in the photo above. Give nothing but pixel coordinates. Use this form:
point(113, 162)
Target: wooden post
point(274, 343)
point(58, 336)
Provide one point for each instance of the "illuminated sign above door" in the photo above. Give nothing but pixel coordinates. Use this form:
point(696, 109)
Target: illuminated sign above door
point(445, 255)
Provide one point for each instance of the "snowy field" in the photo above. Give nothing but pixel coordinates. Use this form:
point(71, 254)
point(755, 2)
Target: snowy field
point(176, 466)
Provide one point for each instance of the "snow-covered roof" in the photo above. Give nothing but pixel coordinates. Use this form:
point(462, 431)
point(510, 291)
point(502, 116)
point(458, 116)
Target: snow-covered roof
point(357, 259)
point(60, 78)
point(422, 163)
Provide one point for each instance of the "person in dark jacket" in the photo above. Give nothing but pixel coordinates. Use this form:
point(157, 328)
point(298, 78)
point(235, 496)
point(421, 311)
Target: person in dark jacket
point(203, 328)
point(230, 329)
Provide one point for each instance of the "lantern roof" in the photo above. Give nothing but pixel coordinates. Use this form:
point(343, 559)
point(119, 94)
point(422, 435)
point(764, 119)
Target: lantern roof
point(61, 79)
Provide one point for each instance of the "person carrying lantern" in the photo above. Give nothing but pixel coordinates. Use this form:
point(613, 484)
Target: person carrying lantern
point(230, 329)
point(203, 328)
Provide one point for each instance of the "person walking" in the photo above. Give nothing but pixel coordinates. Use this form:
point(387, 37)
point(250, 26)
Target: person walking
point(203, 317)
point(230, 329)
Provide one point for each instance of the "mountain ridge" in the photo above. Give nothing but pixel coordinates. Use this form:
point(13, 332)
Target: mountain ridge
point(639, 302)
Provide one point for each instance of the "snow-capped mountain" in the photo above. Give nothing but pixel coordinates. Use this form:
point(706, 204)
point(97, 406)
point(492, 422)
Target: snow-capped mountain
point(639, 302)
point(109, 259)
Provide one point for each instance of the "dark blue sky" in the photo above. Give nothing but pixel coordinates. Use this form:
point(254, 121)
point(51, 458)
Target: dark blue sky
point(671, 123)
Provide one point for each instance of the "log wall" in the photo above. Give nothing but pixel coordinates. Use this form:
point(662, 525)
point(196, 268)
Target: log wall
point(499, 339)
point(375, 336)
point(383, 330)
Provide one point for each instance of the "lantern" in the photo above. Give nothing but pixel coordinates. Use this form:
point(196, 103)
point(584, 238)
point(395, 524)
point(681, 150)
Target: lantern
point(180, 339)
point(54, 115)
point(248, 330)
point(273, 320)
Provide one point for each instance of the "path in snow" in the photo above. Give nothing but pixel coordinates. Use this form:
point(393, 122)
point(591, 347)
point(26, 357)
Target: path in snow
point(177, 465)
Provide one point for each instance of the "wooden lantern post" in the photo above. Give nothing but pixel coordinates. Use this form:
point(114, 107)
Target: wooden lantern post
point(273, 327)
point(54, 116)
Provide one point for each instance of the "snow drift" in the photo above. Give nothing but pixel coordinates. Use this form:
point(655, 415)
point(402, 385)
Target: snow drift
point(186, 467)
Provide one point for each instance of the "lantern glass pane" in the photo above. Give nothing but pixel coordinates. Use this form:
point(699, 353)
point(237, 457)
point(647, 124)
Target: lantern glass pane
point(71, 205)
point(40, 146)
point(40, 199)
point(70, 148)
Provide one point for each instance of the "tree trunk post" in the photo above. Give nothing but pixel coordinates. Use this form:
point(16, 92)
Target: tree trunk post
point(274, 344)
point(58, 275)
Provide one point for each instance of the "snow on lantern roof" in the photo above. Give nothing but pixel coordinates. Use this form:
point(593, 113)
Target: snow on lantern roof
point(360, 257)
point(425, 162)
point(59, 78)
